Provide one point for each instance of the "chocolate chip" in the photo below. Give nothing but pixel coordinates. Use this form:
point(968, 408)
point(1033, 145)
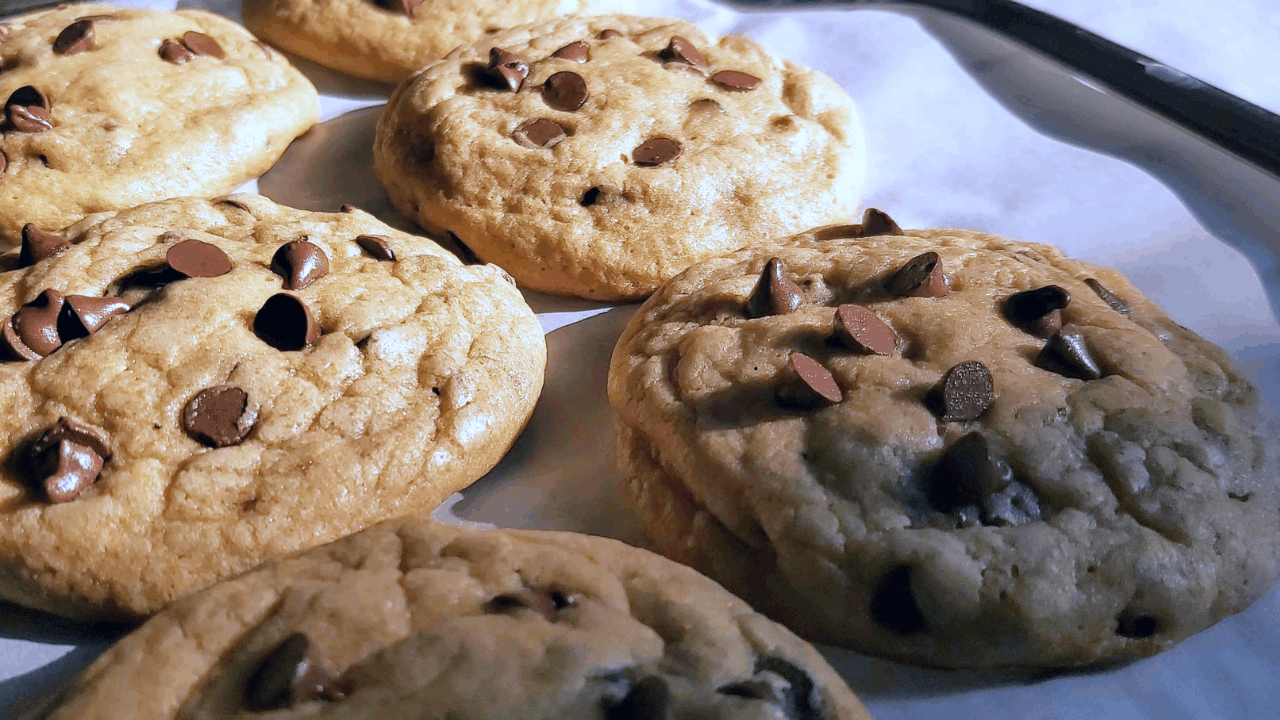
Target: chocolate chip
point(964, 393)
point(734, 80)
point(565, 91)
point(202, 44)
point(74, 38)
point(378, 246)
point(347, 208)
point(27, 110)
point(294, 671)
point(774, 293)
point(1037, 311)
point(68, 458)
point(29, 96)
point(893, 606)
point(542, 602)
point(578, 52)
point(965, 474)
point(83, 315)
point(922, 276)
point(1108, 297)
point(13, 346)
point(1067, 354)
point(1136, 626)
point(300, 263)
point(799, 701)
point(38, 245)
point(656, 152)
point(198, 259)
point(285, 323)
point(608, 34)
point(175, 52)
point(681, 50)
point(590, 197)
point(649, 699)
point(507, 70)
point(877, 222)
point(539, 133)
point(863, 331)
point(36, 323)
point(808, 385)
point(219, 416)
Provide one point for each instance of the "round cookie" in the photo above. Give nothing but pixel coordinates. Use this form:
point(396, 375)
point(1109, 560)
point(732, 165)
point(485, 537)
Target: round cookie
point(390, 40)
point(414, 619)
point(238, 380)
point(947, 448)
point(107, 108)
point(630, 149)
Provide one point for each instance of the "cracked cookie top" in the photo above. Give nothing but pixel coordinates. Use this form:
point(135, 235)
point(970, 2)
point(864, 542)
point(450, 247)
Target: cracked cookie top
point(947, 447)
point(193, 386)
point(107, 108)
point(415, 619)
point(601, 156)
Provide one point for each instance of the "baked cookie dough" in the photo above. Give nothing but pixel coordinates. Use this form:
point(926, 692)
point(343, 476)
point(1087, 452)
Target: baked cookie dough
point(414, 619)
point(390, 40)
point(948, 448)
point(194, 386)
point(599, 157)
point(106, 108)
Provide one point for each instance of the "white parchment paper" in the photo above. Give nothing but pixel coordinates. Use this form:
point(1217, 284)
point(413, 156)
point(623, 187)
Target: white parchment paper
point(964, 130)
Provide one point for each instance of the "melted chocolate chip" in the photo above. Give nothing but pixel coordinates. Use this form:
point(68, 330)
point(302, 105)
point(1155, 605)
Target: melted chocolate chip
point(1037, 311)
point(1067, 354)
point(1110, 298)
point(38, 245)
point(656, 151)
point(175, 52)
point(565, 91)
point(36, 323)
point(294, 671)
point(300, 263)
point(74, 38)
point(649, 699)
point(965, 474)
point(609, 34)
point(734, 80)
point(681, 50)
point(922, 276)
point(809, 384)
point(878, 222)
point(893, 606)
point(83, 316)
point(377, 246)
point(198, 259)
point(507, 70)
point(202, 44)
point(285, 323)
point(1136, 626)
point(27, 110)
point(219, 416)
point(863, 331)
point(539, 133)
point(964, 393)
point(68, 458)
point(774, 293)
point(578, 52)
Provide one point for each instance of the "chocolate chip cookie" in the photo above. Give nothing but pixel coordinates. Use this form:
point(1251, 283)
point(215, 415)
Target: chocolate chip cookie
point(106, 108)
point(193, 386)
point(389, 40)
point(414, 619)
point(601, 156)
point(948, 448)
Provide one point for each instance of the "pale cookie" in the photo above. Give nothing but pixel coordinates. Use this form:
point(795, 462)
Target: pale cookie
point(414, 619)
point(601, 156)
point(107, 108)
point(389, 40)
point(948, 448)
point(194, 386)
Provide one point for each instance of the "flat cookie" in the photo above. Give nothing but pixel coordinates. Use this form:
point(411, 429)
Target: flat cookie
point(947, 448)
point(414, 619)
point(601, 156)
point(390, 40)
point(213, 383)
point(107, 108)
